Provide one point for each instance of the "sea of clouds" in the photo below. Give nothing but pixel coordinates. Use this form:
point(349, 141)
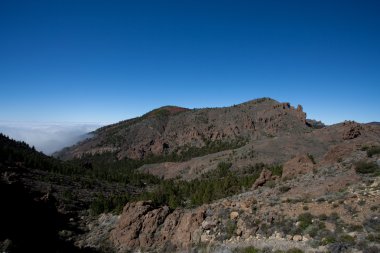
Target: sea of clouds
point(48, 137)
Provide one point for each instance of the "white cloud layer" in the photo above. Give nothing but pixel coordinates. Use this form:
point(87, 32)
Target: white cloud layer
point(48, 137)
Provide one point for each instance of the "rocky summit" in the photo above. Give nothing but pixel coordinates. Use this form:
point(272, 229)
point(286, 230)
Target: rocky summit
point(253, 177)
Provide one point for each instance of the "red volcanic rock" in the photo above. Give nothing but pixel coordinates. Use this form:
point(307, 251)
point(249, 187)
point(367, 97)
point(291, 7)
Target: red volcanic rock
point(143, 226)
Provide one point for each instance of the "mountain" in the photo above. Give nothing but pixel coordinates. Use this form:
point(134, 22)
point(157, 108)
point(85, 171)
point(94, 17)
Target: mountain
point(174, 129)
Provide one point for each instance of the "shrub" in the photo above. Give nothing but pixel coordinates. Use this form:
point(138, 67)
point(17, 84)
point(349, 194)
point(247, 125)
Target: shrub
point(338, 247)
point(284, 189)
point(328, 240)
point(366, 167)
point(372, 224)
point(305, 220)
point(352, 227)
point(347, 239)
point(311, 157)
point(230, 228)
point(372, 249)
point(374, 238)
point(223, 169)
point(276, 170)
point(373, 151)
point(270, 184)
point(334, 217)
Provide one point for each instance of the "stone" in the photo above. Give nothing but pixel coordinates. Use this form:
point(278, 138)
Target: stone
point(206, 238)
point(207, 224)
point(353, 234)
point(305, 238)
point(297, 238)
point(234, 215)
point(279, 235)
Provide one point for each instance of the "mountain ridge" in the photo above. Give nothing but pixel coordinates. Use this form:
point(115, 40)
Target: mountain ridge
point(171, 129)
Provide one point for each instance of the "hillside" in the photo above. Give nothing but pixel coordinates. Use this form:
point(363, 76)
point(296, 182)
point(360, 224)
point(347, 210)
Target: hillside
point(254, 177)
point(43, 197)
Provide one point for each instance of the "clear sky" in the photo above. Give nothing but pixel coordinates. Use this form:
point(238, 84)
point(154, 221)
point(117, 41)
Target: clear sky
point(105, 61)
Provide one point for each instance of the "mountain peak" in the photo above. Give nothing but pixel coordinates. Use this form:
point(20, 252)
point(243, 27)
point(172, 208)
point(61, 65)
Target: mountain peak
point(165, 110)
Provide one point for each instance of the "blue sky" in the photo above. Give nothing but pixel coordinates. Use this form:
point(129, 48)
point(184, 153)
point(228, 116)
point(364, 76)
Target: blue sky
point(105, 61)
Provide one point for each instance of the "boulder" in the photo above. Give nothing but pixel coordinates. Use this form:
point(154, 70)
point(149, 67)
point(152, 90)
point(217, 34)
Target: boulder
point(207, 224)
point(265, 176)
point(297, 238)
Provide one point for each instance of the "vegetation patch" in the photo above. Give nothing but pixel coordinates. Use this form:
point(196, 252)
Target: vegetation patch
point(311, 157)
point(104, 204)
point(305, 220)
point(367, 168)
point(230, 228)
point(373, 151)
point(213, 185)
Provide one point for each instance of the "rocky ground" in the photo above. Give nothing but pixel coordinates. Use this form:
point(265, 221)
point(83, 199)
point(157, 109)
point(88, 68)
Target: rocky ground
point(317, 206)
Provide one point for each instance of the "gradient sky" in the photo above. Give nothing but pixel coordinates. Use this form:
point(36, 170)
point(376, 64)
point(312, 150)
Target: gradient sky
point(105, 61)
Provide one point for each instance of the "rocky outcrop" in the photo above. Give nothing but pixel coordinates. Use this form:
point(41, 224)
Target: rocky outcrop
point(301, 114)
point(301, 164)
point(265, 176)
point(351, 130)
point(141, 225)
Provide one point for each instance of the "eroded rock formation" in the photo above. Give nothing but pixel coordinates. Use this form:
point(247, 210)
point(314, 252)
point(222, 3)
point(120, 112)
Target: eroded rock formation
point(141, 225)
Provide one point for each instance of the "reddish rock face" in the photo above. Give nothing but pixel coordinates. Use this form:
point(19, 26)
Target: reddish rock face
point(143, 226)
point(301, 164)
